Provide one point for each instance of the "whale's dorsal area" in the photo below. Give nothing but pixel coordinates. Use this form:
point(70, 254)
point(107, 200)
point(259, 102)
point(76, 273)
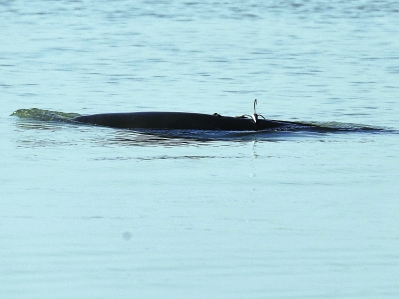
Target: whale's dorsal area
point(180, 121)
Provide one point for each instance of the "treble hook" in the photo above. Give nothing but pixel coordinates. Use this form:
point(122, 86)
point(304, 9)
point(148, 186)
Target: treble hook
point(255, 115)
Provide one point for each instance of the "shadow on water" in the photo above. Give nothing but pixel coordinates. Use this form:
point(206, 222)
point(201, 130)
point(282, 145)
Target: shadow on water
point(37, 119)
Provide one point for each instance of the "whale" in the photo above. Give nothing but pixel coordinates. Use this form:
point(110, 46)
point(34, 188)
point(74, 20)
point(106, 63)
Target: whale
point(158, 122)
point(182, 121)
point(186, 121)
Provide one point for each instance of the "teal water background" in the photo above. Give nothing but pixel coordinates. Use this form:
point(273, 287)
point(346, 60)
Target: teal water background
point(90, 212)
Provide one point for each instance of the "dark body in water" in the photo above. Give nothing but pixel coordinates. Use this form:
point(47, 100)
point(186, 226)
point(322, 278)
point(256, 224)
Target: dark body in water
point(183, 121)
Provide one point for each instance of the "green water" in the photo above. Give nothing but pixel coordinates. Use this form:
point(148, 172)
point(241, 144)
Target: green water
point(44, 115)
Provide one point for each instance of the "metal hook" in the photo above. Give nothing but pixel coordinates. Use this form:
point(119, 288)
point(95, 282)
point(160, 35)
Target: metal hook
point(255, 115)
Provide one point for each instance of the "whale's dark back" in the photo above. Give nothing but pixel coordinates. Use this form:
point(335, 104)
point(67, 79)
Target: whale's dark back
point(178, 121)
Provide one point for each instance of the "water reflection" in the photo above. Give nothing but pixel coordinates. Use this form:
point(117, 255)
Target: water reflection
point(38, 125)
point(38, 133)
point(171, 138)
point(169, 157)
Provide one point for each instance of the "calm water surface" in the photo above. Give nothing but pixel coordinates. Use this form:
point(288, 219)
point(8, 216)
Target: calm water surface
point(90, 212)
